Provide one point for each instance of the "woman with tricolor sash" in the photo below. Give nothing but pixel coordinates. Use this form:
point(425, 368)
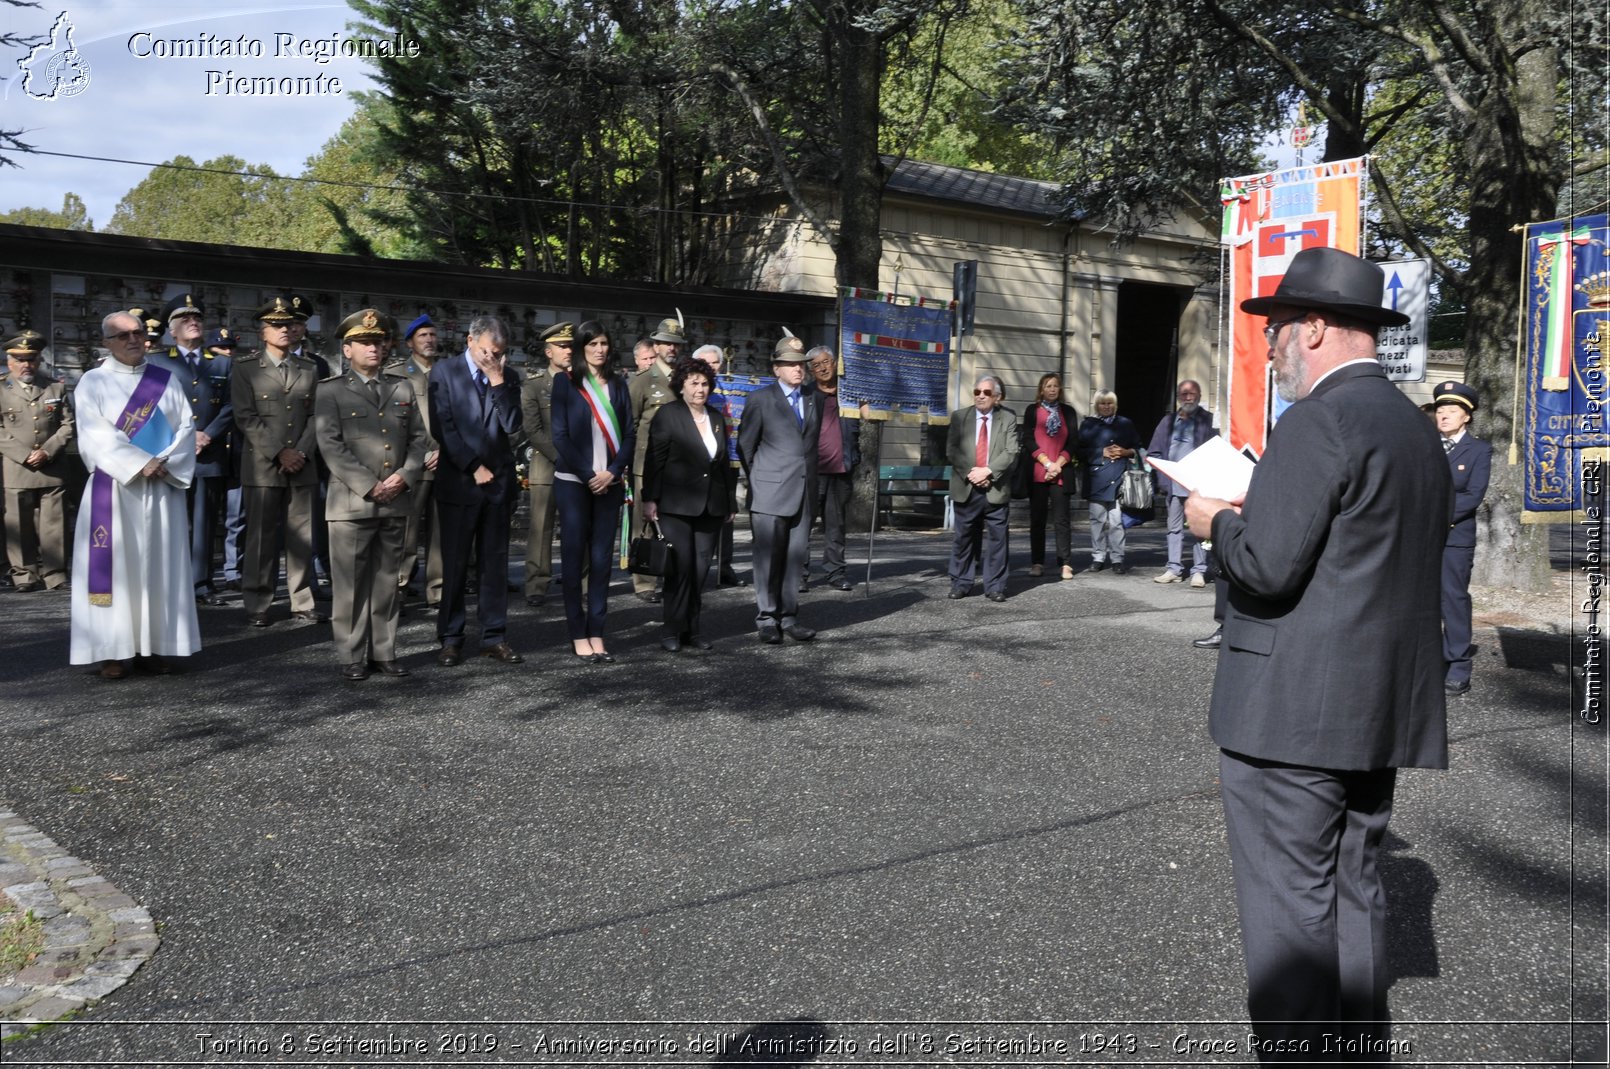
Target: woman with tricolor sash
point(593, 435)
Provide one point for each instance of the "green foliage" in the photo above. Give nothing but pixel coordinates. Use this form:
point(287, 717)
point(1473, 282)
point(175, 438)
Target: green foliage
point(224, 201)
point(344, 211)
point(73, 215)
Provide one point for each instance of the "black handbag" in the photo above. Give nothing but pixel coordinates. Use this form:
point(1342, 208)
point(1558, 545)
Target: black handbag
point(650, 552)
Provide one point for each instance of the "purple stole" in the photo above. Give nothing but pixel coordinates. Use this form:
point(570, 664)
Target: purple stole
point(147, 428)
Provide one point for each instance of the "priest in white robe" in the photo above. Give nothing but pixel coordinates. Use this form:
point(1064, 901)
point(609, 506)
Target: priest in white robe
point(132, 592)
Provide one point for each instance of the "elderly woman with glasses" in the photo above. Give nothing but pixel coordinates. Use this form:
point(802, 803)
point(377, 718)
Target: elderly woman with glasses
point(1107, 441)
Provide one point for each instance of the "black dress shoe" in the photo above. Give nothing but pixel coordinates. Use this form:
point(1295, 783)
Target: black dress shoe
point(1456, 688)
point(670, 643)
point(450, 656)
point(731, 579)
point(995, 595)
point(653, 597)
point(355, 670)
point(799, 633)
point(257, 619)
point(388, 668)
point(1121, 567)
point(1211, 642)
point(770, 634)
point(312, 616)
point(1098, 566)
point(842, 584)
point(503, 652)
point(153, 663)
point(207, 597)
point(956, 593)
point(697, 641)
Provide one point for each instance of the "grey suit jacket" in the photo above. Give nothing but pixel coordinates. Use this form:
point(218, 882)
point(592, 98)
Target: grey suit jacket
point(961, 443)
point(1332, 652)
point(779, 456)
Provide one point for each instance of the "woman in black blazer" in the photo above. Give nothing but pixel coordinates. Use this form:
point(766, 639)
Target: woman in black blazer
point(691, 490)
point(593, 435)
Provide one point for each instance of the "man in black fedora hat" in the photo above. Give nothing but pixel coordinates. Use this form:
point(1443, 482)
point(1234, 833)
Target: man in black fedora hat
point(1330, 671)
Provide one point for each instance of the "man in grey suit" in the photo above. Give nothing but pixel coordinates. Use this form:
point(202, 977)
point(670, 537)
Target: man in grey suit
point(1330, 670)
point(777, 444)
point(981, 448)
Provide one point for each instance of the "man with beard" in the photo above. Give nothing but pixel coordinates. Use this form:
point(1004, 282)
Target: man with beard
point(36, 425)
point(1330, 674)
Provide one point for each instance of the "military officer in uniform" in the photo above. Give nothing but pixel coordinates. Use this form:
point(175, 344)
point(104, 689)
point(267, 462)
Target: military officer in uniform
point(651, 390)
point(153, 327)
point(222, 342)
point(36, 425)
point(273, 393)
point(372, 435)
point(1470, 462)
point(423, 345)
point(302, 309)
point(203, 376)
point(536, 410)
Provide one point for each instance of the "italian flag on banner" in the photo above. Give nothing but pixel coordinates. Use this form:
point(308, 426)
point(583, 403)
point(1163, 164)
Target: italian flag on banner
point(1268, 219)
point(1557, 340)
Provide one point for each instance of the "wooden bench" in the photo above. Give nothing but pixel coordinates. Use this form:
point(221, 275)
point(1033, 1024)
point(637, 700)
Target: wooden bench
point(924, 481)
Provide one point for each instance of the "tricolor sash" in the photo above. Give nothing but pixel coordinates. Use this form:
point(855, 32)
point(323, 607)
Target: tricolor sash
point(145, 426)
point(597, 395)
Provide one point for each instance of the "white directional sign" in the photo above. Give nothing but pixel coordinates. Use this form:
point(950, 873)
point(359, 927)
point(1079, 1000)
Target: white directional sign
point(1403, 349)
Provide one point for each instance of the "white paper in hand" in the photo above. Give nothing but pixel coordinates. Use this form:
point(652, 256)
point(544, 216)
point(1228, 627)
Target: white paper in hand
point(1212, 469)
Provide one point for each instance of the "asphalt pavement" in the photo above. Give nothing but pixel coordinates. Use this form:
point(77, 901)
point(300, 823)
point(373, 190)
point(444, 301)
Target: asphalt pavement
point(945, 832)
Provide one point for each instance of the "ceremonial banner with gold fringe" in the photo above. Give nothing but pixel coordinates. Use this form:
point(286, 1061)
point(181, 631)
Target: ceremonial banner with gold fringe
point(1268, 219)
point(1565, 387)
point(895, 355)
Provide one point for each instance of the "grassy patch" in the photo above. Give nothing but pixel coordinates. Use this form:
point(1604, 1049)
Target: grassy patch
point(21, 934)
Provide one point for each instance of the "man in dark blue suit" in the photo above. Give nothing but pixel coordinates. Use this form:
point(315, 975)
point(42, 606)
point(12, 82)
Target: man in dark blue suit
point(204, 377)
point(475, 417)
point(1330, 670)
point(1470, 462)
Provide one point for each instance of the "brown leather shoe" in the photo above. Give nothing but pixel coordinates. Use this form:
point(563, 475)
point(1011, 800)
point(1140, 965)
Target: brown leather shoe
point(355, 670)
point(450, 656)
point(388, 668)
point(502, 652)
point(114, 670)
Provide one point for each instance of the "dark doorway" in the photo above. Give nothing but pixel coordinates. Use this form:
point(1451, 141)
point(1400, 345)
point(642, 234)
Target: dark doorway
point(1148, 351)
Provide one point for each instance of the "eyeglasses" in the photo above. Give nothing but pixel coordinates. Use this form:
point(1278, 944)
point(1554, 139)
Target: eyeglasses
point(124, 335)
point(1272, 331)
point(983, 393)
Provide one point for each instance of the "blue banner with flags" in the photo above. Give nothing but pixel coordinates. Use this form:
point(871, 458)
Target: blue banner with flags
point(1565, 326)
point(896, 355)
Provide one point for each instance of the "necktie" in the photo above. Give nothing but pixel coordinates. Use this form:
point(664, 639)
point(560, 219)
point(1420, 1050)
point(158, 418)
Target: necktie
point(285, 372)
point(1447, 445)
point(799, 407)
point(481, 382)
point(374, 391)
point(194, 360)
point(981, 450)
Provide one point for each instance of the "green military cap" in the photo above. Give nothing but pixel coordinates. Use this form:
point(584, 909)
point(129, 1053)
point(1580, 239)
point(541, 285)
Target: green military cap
point(362, 325)
point(29, 342)
point(669, 330)
point(276, 310)
point(301, 307)
point(788, 350)
point(561, 333)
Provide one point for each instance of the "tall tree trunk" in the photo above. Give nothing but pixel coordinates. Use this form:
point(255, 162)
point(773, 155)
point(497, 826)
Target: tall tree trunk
point(1514, 178)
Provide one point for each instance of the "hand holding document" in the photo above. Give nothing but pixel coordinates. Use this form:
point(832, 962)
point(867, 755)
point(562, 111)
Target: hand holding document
point(1213, 469)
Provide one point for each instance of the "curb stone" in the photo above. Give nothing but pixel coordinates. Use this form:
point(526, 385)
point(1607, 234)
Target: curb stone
point(95, 936)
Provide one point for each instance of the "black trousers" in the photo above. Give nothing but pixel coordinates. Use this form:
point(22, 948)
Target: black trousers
point(1304, 844)
point(483, 526)
point(833, 505)
point(693, 542)
point(1049, 498)
point(1457, 649)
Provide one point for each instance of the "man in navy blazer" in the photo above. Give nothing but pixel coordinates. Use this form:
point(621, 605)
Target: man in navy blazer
point(204, 377)
point(475, 417)
point(777, 440)
point(1470, 463)
point(1330, 670)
